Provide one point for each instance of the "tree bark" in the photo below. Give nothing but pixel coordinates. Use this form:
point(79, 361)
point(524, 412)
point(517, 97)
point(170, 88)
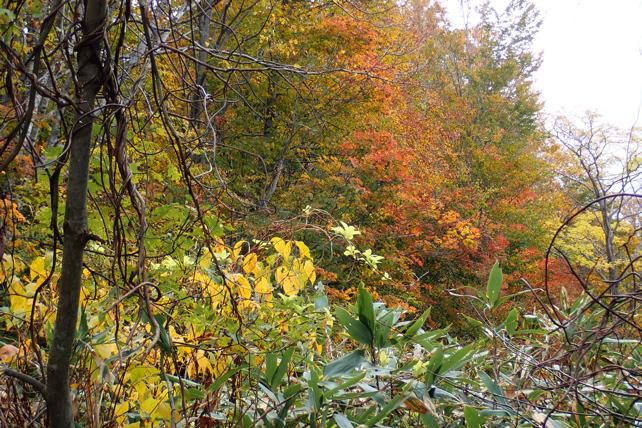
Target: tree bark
point(200, 73)
point(90, 77)
point(608, 244)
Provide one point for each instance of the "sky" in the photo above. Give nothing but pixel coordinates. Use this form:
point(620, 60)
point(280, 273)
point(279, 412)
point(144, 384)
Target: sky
point(592, 56)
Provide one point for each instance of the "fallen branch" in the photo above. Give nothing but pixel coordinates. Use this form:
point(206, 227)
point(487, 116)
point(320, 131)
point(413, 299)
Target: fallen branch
point(40, 387)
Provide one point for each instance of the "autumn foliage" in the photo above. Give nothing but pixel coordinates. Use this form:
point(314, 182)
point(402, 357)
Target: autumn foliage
point(302, 213)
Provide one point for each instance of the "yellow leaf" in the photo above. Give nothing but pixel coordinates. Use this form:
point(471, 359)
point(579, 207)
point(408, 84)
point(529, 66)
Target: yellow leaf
point(309, 270)
point(191, 369)
point(305, 271)
point(283, 327)
point(280, 274)
point(304, 251)
point(142, 389)
point(119, 412)
point(37, 268)
point(248, 305)
point(141, 373)
point(203, 362)
point(83, 296)
point(262, 270)
point(106, 350)
point(19, 299)
point(223, 364)
point(174, 334)
point(202, 278)
point(282, 247)
point(216, 291)
point(205, 261)
point(148, 406)
point(263, 286)
point(243, 285)
point(11, 264)
point(290, 280)
point(249, 263)
point(163, 412)
point(290, 286)
point(238, 247)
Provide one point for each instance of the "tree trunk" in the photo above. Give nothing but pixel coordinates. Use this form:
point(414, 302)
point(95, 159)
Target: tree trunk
point(199, 91)
point(608, 244)
point(90, 78)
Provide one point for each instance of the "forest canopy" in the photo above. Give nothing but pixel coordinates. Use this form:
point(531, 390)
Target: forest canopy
point(326, 213)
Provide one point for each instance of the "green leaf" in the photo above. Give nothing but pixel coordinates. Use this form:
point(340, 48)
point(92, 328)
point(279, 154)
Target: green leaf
point(173, 173)
point(281, 369)
point(362, 416)
point(270, 366)
point(530, 331)
point(357, 330)
point(434, 366)
point(390, 406)
point(458, 359)
point(511, 321)
point(247, 421)
point(365, 309)
point(291, 391)
point(494, 285)
point(419, 323)
point(345, 364)
point(316, 395)
point(347, 384)
point(494, 412)
point(556, 423)
point(172, 212)
point(493, 388)
point(192, 394)
point(431, 335)
point(429, 420)
point(270, 394)
point(165, 342)
point(580, 417)
point(436, 360)
point(342, 421)
point(320, 302)
point(473, 418)
point(223, 378)
point(52, 152)
point(289, 394)
point(613, 340)
point(83, 328)
point(508, 297)
point(214, 226)
point(358, 395)
point(184, 381)
point(6, 16)
point(384, 325)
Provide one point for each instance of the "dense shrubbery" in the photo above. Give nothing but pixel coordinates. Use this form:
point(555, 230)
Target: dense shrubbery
point(142, 145)
point(246, 336)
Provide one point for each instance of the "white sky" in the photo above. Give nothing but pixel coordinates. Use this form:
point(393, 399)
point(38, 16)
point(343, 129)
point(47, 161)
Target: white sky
point(592, 56)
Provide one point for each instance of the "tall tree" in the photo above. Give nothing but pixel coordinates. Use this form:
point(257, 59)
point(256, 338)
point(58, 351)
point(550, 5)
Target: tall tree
point(91, 68)
point(602, 162)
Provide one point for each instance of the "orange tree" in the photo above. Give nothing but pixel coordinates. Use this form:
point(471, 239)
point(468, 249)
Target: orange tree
point(444, 164)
